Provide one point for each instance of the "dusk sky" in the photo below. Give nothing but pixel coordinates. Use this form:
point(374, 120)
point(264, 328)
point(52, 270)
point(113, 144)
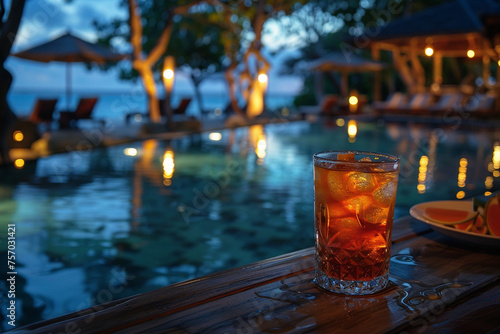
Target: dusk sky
point(47, 19)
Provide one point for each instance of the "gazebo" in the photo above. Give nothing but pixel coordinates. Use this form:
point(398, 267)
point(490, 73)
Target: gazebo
point(460, 28)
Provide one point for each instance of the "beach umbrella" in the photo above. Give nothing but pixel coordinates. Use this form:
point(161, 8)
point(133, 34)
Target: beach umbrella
point(338, 61)
point(69, 49)
point(345, 64)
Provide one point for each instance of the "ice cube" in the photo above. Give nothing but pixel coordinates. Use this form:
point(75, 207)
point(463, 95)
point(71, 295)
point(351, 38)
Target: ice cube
point(358, 183)
point(381, 178)
point(337, 210)
point(365, 159)
point(357, 205)
point(374, 214)
point(337, 185)
point(345, 223)
point(385, 194)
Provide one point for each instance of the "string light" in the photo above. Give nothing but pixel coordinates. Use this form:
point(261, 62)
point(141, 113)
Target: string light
point(429, 51)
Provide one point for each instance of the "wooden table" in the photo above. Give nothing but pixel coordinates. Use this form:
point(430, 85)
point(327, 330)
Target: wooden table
point(437, 286)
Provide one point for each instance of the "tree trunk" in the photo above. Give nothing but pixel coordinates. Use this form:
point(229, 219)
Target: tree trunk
point(197, 93)
point(232, 90)
point(148, 81)
point(8, 31)
point(144, 65)
point(255, 101)
point(7, 117)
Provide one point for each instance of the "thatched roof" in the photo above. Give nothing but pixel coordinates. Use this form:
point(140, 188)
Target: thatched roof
point(455, 17)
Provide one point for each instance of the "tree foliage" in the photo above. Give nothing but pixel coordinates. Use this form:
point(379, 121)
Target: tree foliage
point(9, 24)
point(210, 37)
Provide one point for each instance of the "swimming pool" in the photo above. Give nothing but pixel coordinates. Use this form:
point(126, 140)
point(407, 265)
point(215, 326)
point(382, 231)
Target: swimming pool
point(94, 226)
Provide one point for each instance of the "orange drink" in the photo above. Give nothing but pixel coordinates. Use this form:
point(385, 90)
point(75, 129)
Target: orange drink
point(354, 198)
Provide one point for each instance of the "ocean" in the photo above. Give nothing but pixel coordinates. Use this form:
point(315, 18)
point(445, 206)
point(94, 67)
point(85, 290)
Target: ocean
point(116, 105)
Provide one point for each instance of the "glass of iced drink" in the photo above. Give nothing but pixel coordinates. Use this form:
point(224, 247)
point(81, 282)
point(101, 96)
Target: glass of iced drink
point(354, 198)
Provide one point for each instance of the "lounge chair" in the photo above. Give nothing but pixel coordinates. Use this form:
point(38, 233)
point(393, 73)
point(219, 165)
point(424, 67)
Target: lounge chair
point(446, 102)
point(85, 108)
point(481, 105)
point(394, 103)
point(182, 107)
point(419, 103)
point(69, 119)
point(228, 110)
point(179, 110)
point(43, 112)
point(328, 104)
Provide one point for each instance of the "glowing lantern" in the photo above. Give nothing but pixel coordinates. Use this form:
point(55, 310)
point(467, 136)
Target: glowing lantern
point(168, 74)
point(215, 136)
point(18, 135)
point(168, 82)
point(19, 163)
point(130, 151)
point(262, 78)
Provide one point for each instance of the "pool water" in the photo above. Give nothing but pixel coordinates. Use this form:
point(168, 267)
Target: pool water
point(94, 226)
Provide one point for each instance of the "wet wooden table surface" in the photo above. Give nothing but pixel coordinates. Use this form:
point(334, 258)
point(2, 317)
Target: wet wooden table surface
point(437, 286)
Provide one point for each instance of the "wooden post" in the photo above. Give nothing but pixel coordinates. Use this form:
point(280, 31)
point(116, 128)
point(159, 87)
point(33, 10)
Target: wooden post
point(400, 63)
point(416, 67)
point(498, 73)
point(486, 67)
point(438, 67)
point(377, 76)
point(319, 87)
point(344, 90)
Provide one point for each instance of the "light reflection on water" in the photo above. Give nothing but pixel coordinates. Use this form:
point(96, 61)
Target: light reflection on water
point(99, 225)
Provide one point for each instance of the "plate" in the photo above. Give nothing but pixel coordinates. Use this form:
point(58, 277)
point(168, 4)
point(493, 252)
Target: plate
point(417, 212)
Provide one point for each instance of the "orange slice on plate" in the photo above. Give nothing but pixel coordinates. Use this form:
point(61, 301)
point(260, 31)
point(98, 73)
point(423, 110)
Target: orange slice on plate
point(492, 215)
point(347, 157)
point(447, 216)
point(467, 225)
point(479, 226)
